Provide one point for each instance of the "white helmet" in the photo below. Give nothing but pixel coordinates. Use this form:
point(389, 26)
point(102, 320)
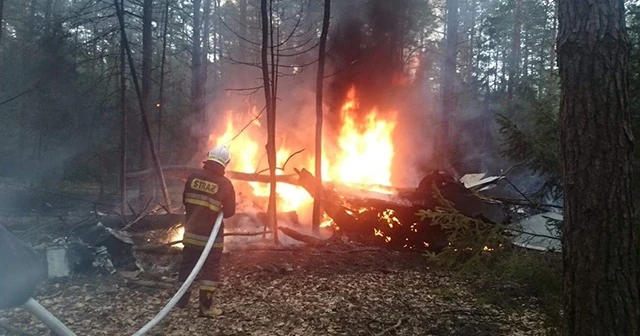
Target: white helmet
point(219, 155)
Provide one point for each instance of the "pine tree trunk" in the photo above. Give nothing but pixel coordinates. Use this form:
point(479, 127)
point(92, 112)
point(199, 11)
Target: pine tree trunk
point(514, 60)
point(243, 53)
point(271, 136)
point(319, 115)
point(1, 18)
point(143, 113)
point(163, 61)
point(601, 238)
point(552, 52)
point(196, 62)
point(123, 129)
point(206, 29)
point(448, 77)
point(244, 22)
point(147, 53)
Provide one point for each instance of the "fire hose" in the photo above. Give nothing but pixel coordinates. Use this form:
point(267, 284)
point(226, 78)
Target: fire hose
point(60, 329)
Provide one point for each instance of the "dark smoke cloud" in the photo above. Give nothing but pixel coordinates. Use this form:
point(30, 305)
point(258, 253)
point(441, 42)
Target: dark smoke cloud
point(366, 52)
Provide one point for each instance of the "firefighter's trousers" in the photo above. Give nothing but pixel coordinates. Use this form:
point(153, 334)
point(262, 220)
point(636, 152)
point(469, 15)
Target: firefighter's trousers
point(209, 275)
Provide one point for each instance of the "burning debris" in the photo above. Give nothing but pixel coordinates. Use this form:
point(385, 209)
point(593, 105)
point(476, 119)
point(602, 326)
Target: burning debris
point(394, 221)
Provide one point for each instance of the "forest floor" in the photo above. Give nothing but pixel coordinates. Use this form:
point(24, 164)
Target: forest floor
point(304, 292)
point(342, 290)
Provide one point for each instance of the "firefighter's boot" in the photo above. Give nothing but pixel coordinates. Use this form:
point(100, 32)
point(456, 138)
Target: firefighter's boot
point(183, 303)
point(206, 305)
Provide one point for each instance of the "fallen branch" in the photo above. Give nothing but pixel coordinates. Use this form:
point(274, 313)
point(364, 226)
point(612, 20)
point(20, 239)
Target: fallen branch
point(145, 223)
point(149, 283)
point(159, 247)
point(285, 162)
point(140, 216)
point(246, 234)
point(524, 202)
point(393, 327)
point(183, 172)
point(309, 240)
point(47, 297)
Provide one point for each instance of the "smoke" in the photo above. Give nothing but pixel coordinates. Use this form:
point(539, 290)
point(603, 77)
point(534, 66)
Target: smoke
point(367, 53)
point(366, 50)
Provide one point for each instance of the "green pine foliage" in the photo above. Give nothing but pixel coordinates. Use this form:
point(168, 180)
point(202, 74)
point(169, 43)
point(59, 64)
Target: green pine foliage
point(537, 144)
point(473, 245)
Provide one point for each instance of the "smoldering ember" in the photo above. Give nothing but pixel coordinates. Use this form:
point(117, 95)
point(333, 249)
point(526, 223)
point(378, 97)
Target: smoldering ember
point(308, 167)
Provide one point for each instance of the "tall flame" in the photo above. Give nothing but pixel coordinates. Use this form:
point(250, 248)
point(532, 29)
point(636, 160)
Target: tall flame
point(366, 147)
point(363, 157)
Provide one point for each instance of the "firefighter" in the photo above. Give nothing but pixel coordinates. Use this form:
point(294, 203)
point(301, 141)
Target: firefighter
point(206, 193)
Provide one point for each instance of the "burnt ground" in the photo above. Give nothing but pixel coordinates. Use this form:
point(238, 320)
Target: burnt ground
point(306, 292)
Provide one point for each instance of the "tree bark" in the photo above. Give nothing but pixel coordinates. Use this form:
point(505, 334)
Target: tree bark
point(448, 77)
point(601, 247)
point(317, 207)
point(163, 61)
point(271, 136)
point(123, 128)
point(147, 52)
point(514, 60)
point(244, 22)
point(1, 22)
point(206, 29)
point(552, 51)
point(197, 93)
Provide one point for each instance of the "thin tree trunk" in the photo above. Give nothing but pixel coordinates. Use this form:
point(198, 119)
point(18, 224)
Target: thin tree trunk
point(448, 77)
point(319, 114)
point(601, 244)
point(244, 49)
point(215, 81)
point(196, 63)
point(145, 120)
point(2, 22)
point(552, 51)
point(123, 129)
point(163, 60)
point(514, 60)
point(271, 139)
point(147, 53)
point(206, 29)
point(244, 22)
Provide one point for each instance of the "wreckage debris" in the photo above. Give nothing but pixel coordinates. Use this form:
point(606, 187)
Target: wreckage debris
point(393, 222)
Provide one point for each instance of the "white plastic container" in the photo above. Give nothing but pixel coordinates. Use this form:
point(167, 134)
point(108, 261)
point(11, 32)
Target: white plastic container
point(57, 262)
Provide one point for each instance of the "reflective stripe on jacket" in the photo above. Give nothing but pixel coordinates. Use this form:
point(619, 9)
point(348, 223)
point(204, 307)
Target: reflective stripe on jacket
point(206, 193)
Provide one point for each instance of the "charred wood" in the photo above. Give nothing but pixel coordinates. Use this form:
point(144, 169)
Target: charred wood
point(307, 239)
point(147, 223)
point(392, 220)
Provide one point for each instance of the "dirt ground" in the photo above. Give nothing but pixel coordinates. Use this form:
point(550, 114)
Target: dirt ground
point(349, 291)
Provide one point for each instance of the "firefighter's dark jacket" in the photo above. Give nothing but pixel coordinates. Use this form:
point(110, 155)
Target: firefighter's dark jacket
point(206, 193)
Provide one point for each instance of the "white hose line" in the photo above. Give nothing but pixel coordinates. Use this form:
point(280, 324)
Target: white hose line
point(187, 283)
point(47, 318)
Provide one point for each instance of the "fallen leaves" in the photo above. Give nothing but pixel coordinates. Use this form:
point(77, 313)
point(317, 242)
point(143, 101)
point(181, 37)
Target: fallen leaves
point(302, 292)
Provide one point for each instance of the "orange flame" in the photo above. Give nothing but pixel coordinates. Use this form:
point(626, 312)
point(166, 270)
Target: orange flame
point(363, 155)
